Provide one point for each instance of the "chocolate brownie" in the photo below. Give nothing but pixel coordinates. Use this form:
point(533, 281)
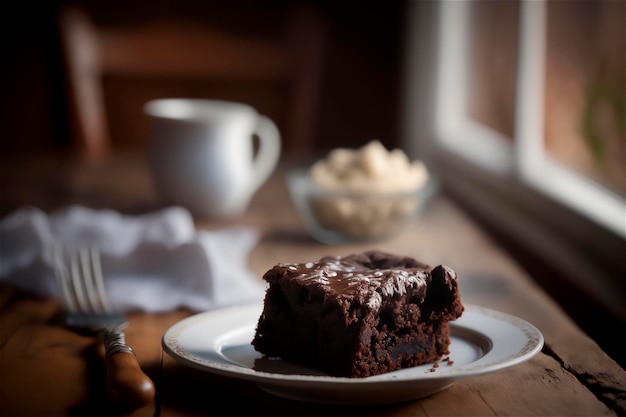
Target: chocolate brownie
point(360, 315)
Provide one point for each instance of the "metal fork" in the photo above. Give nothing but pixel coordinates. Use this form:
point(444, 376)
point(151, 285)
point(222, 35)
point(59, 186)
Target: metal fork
point(79, 275)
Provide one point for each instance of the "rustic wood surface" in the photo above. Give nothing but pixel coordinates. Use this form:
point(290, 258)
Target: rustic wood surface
point(48, 370)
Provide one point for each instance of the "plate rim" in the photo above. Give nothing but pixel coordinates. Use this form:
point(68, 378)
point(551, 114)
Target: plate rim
point(534, 344)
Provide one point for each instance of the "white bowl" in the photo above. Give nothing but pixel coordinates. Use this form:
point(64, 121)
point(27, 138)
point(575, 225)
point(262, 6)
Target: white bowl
point(335, 217)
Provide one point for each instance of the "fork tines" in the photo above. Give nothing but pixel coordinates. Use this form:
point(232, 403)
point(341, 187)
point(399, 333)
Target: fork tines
point(78, 271)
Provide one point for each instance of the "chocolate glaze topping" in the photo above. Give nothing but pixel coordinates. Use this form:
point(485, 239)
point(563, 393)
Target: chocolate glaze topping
point(368, 276)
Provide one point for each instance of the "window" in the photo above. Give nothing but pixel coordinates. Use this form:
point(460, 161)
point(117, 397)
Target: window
point(563, 132)
point(519, 108)
point(571, 106)
point(474, 114)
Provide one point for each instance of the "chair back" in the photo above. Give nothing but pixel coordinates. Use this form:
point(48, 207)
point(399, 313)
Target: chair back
point(168, 49)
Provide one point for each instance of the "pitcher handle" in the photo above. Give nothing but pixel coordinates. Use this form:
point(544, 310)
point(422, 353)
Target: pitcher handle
point(268, 152)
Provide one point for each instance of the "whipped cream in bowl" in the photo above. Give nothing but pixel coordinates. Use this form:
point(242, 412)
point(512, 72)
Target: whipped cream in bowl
point(362, 194)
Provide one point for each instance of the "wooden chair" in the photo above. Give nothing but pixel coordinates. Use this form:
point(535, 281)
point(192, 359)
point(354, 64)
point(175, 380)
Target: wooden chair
point(184, 48)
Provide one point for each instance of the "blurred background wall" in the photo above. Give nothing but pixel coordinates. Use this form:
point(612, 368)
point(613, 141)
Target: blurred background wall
point(360, 75)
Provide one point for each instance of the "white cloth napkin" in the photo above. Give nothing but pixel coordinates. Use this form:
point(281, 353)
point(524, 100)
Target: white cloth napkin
point(152, 262)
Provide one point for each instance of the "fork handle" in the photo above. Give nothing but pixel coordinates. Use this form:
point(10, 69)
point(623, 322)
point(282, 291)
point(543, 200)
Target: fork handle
point(125, 384)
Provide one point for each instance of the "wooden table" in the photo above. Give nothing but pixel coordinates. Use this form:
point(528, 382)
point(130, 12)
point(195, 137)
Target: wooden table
point(48, 370)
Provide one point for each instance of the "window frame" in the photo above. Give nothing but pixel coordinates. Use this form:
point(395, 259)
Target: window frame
point(507, 191)
point(535, 166)
point(481, 145)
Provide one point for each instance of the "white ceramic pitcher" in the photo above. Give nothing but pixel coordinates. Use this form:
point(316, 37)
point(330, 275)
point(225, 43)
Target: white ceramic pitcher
point(201, 154)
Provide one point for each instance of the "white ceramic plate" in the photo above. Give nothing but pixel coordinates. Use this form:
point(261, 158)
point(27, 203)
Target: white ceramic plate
point(219, 342)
